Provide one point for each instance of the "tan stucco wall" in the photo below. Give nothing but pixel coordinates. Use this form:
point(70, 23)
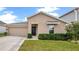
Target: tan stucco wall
point(41, 20)
point(60, 28)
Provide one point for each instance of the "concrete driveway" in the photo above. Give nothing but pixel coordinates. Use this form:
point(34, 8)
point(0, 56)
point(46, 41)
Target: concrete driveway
point(10, 43)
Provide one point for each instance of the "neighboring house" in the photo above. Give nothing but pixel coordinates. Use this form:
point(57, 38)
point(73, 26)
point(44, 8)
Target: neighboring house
point(3, 27)
point(37, 24)
point(71, 16)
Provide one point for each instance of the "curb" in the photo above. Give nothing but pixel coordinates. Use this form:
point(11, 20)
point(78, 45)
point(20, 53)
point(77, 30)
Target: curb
point(20, 45)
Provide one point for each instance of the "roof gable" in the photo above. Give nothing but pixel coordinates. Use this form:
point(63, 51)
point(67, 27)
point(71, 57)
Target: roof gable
point(47, 15)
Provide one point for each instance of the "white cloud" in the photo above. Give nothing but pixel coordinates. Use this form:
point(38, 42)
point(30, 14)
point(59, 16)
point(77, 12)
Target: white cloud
point(2, 8)
point(54, 14)
point(49, 10)
point(21, 20)
point(25, 19)
point(8, 18)
point(6, 12)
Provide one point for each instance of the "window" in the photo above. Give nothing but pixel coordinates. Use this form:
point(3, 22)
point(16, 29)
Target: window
point(51, 28)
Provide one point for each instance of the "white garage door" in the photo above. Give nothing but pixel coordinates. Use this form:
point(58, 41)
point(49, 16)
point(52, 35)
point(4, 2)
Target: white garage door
point(17, 31)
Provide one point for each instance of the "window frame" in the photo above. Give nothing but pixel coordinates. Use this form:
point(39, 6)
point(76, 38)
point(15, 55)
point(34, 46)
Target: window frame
point(49, 30)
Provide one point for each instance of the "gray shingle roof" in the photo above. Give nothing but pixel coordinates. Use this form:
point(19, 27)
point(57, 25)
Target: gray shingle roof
point(20, 24)
point(2, 23)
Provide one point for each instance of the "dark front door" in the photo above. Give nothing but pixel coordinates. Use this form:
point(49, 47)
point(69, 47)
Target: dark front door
point(34, 29)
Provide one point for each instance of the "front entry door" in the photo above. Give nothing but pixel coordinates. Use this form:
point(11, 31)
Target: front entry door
point(34, 29)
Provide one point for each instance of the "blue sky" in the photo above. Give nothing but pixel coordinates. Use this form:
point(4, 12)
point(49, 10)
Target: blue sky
point(18, 14)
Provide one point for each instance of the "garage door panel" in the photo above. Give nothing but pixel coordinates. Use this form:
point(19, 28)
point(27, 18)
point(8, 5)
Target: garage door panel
point(18, 31)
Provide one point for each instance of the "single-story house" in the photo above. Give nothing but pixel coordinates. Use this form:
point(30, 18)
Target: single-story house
point(42, 23)
point(37, 24)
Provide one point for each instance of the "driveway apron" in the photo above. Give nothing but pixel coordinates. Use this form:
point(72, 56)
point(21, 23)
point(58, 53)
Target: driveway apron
point(10, 43)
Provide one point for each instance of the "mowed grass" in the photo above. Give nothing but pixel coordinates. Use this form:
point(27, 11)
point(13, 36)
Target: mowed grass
point(48, 45)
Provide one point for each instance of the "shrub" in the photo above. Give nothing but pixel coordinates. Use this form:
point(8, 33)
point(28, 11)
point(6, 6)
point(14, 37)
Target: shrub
point(29, 35)
point(61, 36)
point(43, 36)
point(3, 34)
point(53, 37)
point(69, 36)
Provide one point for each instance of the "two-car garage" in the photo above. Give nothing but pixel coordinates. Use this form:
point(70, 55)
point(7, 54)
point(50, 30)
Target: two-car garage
point(19, 29)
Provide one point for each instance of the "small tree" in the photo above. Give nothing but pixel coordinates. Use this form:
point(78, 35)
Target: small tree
point(73, 30)
point(69, 31)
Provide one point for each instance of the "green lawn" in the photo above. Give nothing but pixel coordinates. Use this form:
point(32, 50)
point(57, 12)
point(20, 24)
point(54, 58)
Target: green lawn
point(48, 45)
